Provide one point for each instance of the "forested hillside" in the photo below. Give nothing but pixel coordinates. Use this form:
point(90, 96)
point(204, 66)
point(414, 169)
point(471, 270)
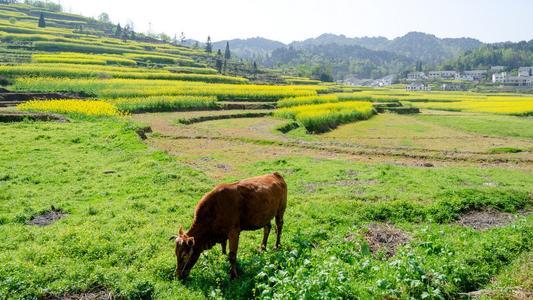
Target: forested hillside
point(416, 45)
point(511, 55)
point(256, 49)
point(341, 56)
point(340, 60)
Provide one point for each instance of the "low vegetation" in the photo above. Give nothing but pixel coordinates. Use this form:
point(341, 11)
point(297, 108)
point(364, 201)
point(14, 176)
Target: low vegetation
point(164, 103)
point(120, 88)
point(319, 99)
point(74, 71)
point(71, 107)
point(324, 117)
point(80, 58)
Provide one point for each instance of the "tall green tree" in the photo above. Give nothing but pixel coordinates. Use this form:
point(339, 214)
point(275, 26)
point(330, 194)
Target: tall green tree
point(419, 66)
point(254, 69)
point(218, 61)
point(208, 45)
point(118, 31)
point(42, 22)
point(227, 52)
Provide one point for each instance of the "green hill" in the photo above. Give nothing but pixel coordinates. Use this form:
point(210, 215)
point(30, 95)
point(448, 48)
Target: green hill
point(69, 40)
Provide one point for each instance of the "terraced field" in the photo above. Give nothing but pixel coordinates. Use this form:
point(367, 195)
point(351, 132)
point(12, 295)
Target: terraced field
point(392, 195)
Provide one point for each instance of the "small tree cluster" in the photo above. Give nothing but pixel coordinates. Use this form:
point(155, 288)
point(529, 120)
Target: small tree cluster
point(208, 45)
point(42, 22)
point(125, 33)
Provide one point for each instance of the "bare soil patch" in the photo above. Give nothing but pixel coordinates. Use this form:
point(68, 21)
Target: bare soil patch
point(385, 238)
point(510, 293)
point(485, 219)
point(47, 218)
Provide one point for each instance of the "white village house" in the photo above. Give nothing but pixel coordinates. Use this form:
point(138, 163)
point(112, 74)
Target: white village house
point(442, 74)
point(499, 77)
point(385, 81)
point(525, 72)
point(497, 68)
point(413, 76)
point(417, 87)
point(476, 74)
point(464, 77)
point(518, 81)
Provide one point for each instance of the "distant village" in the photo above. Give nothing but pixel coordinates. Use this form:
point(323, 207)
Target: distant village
point(453, 80)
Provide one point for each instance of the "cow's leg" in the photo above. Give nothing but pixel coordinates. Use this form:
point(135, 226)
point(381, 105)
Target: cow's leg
point(279, 227)
point(266, 232)
point(233, 246)
point(223, 244)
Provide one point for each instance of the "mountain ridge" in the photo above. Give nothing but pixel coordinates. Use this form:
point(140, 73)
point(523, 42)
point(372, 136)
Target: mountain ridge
point(415, 45)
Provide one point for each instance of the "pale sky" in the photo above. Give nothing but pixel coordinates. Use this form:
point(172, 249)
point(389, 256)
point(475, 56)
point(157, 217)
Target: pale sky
point(289, 20)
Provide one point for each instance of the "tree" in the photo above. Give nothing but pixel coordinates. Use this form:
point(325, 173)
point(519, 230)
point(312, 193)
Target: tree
point(131, 26)
point(196, 45)
point(126, 32)
point(254, 69)
point(218, 61)
point(208, 45)
point(42, 22)
point(118, 31)
point(323, 73)
point(227, 52)
point(419, 66)
point(104, 18)
point(182, 38)
point(164, 37)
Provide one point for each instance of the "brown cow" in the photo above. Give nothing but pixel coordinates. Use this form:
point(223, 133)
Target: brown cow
point(227, 210)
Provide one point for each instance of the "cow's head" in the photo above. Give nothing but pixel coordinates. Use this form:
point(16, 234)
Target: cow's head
point(186, 253)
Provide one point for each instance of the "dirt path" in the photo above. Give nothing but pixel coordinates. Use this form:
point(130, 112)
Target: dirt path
point(220, 148)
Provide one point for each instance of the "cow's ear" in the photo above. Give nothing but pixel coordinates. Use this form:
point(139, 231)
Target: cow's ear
point(190, 242)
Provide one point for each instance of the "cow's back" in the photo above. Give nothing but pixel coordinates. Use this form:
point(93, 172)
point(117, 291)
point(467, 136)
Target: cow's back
point(262, 198)
point(247, 204)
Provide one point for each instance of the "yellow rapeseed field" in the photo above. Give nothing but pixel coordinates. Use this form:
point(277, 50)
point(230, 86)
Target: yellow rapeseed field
point(68, 106)
point(324, 117)
point(521, 106)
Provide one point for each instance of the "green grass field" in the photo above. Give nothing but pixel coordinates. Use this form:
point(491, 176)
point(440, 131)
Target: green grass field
point(124, 199)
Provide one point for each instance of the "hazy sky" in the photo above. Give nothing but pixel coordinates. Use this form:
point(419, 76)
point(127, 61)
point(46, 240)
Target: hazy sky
point(289, 20)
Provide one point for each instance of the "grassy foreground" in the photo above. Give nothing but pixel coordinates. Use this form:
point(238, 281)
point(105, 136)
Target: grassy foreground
point(124, 200)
